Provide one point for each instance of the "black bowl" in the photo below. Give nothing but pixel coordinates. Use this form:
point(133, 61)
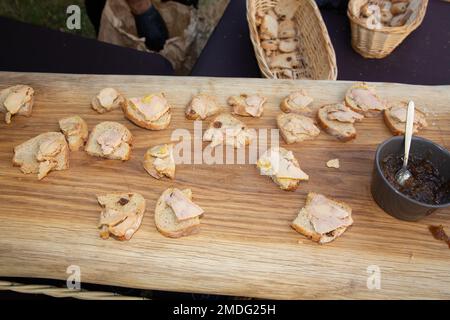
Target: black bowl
point(393, 201)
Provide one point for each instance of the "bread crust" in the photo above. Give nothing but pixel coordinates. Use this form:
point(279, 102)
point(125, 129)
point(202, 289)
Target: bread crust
point(292, 186)
point(286, 184)
point(75, 141)
point(284, 106)
point(326, 128)
point(213, 107)
point(389, 123)
point(304, 110)
point(181, 233)
point(192, 225)
point(150, 125)
point(239, 105)
point(25, 154)
point(324, 124)
point(26, 108)
point(349, 102)
point(195, 116)
point(290, 138)
point(140, 211)
point(90, 145)
point(118, 103)
point(398, 128)
point(312, 234)
point(228, 120)
point(149, 163)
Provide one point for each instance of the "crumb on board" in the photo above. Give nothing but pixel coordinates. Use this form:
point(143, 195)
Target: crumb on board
point(333, 163)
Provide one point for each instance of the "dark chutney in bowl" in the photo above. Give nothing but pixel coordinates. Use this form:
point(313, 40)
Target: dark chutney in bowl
point(393, 201)
point(426, 184)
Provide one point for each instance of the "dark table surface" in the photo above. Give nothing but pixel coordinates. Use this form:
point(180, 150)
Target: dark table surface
point(423, 58)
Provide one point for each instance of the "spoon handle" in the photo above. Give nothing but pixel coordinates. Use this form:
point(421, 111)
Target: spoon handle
point(408, 131)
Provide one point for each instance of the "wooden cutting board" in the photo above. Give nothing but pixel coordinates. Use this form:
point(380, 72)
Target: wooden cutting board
point(246, 246)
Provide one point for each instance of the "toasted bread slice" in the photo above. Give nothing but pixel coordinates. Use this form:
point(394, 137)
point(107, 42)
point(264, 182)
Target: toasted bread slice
point(150, 112)
point(167, 222)
point(338, 121)
point(247, 105)
point(201, 107)
point(288, 45)
point(225, 129)
point(42, 154)
point(281, 165)
point(297, 102)
point(76, 131)
point(159, 161)
point(18, 99)
point(110, 140)
point(121, 215)
point(395, 118)
point(286, 9)
point(296, 127)
point(284, 61)
point(107, 99)
point(269, 46)
point(268, 28)
point(363, 99)
point(322, 219)
point(287, 29)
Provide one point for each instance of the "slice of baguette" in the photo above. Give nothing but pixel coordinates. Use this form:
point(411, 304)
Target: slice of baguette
point(225, 129)
point(18, 99)
point(201, 107)
point(286, 9)
point(76, 131)
point(167, 222)
point(133, 114)
point(159, 161)
point(121, 215)
point(270, 162)
point(120, 150)
point(44, 153)
point(344, 131)
point(107, 100)
point(296, 127)
point(304, 225)
point(297, 102)
point(370, 105)
point(247, 105)
point(395, 118)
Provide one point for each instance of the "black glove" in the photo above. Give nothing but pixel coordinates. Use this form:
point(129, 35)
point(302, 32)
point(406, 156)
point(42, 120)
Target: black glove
point(151, 25)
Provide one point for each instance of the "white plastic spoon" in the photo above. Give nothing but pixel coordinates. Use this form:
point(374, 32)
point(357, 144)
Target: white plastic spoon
point(404, 174)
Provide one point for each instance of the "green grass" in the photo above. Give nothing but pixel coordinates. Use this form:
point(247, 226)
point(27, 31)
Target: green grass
point(51, 14)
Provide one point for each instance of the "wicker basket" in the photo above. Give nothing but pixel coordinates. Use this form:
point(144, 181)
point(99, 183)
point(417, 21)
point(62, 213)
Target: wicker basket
point(316, 53)
point(379, 43)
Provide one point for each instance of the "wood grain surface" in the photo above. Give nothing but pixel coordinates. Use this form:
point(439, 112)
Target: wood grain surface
point(246, 246)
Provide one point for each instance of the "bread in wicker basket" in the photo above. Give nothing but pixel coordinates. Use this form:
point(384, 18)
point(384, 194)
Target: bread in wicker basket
point(379, 40)
point(313, 56)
